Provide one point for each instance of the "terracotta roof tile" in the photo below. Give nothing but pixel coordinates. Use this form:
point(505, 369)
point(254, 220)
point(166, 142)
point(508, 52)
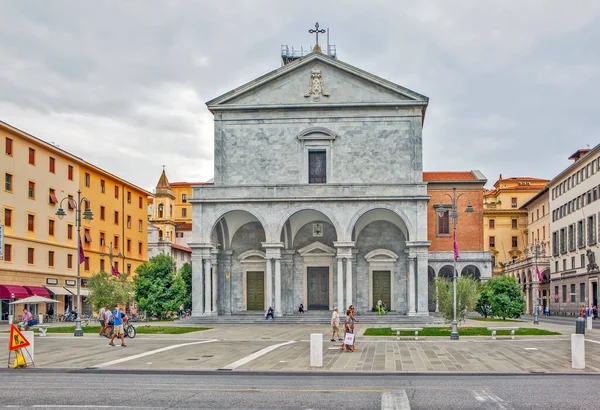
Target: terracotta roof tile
point(449, 176)
point(181, 248)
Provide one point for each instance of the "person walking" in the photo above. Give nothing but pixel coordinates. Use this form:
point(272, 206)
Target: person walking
point(354, 320)
point(348, 329)
point(118, 327)
point(181, 311)
point(102, 319)
point(335, 325)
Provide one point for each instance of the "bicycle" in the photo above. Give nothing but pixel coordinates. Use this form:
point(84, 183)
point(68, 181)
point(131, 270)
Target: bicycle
point(128, 330)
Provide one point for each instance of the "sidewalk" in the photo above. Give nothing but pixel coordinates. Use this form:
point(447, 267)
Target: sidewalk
point(287, 348)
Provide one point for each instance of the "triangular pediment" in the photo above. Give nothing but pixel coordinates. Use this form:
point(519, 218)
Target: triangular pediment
point(317, 249)
point(315, 80)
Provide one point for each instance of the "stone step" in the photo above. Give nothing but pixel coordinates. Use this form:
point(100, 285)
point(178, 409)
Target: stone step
point(313, 319)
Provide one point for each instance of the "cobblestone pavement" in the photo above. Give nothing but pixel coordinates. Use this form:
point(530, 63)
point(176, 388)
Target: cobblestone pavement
point(287, 348)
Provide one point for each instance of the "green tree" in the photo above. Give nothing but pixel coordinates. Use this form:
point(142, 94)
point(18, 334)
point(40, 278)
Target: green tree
point(158, 288)
point(109, 290)
point(505, 297)
point(484, 304)
point(186, 274)
point(467, 293)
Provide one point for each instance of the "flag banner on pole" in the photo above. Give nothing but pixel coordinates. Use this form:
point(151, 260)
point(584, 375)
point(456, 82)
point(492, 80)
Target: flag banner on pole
point(539, 275)
point(81, 254)
point(115, 272)
point(455, 248)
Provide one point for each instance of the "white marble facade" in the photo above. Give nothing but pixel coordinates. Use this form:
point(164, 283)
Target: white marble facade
point(265, 234)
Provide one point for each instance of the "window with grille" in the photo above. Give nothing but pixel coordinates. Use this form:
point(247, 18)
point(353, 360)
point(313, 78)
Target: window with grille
point(317, 167)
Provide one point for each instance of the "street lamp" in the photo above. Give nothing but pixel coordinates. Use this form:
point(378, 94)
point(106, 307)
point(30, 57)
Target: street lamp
point(111, 255)
point(88, 216)
point(537, 249)
point(441, 209)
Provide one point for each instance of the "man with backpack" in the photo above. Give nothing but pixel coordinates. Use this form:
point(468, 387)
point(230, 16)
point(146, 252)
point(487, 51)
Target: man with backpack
point(118, 326)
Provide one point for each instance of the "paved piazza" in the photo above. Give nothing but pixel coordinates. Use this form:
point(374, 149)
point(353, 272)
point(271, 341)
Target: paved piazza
point(272, 347)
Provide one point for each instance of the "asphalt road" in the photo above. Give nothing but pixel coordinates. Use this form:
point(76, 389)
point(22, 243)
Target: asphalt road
point(562, 320)
point(127, 390)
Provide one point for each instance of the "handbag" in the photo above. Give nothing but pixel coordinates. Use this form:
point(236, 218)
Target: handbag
point(349, 339)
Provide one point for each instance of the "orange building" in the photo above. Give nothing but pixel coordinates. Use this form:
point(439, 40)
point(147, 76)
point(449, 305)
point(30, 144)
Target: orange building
point(505, 220)
point(40, 250)
point(473, 259)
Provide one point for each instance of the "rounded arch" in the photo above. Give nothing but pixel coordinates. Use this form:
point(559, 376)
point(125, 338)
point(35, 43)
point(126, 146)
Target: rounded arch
point(221, 212)
point(546, 275)
point(447, 272)
point(396, 216)
point(316, 130)
point(297, 209)
point(230, 220)
point(387, 254)
point(471, 270)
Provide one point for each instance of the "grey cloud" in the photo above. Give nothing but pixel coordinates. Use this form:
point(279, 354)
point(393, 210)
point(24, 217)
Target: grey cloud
point(512, 86)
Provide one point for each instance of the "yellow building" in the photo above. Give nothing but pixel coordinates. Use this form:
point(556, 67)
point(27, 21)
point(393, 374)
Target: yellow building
point(40, 250)
point(504, 219)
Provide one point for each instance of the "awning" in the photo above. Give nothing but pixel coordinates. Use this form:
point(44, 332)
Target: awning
point(58, 290)
point(13, 291)
point(37, 291)
point(82, 291)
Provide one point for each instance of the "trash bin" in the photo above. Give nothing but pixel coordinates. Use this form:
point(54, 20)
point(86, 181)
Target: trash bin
point(40, 318)
point(580, 326)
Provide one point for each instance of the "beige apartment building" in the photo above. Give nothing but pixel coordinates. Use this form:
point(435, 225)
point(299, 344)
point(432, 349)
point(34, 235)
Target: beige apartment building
point(40, 251)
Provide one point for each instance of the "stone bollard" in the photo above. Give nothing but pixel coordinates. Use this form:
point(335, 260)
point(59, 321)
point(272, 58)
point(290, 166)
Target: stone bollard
point(316, 349)
point(588, 322)
point(580, 326)
point(578, 351)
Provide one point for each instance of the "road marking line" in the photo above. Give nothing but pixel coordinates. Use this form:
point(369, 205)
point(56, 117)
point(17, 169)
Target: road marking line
point(137, 356)
point(593, 341)
point(249, 358)
point(490, 401)
point(397, 400)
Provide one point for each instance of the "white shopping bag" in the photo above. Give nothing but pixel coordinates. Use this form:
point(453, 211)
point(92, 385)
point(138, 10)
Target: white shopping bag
point(349, 339)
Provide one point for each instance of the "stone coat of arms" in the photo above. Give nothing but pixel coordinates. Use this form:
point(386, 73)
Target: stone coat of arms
point(316, 87)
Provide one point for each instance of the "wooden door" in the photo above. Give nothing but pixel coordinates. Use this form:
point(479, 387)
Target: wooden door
point(255, 288)
point(382, 286)
point(318, 288)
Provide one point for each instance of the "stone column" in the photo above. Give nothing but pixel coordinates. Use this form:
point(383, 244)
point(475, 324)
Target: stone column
point(422, 285)
point(349, 281)
point(340, 285)
point(215, 287)
point(207, 287)
point(411, 285)
point(277, 286)
point(197, 285)
point(269, 284)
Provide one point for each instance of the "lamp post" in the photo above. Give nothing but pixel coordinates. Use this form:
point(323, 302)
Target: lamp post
point(88, 216)
point(537, 249)
point(441, 208)
point(111, 255)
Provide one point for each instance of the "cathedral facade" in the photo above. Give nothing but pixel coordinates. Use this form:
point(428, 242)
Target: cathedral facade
point(318, 196)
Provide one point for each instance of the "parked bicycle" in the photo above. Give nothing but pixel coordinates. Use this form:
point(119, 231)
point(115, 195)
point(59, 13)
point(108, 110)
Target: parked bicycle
point(128, 330)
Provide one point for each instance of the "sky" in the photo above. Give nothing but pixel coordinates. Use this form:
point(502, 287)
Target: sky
point(514, 86)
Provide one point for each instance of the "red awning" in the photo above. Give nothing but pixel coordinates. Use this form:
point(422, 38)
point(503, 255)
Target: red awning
point(72, 203)
point(53, 197)
point(87, 236)
point(13, 291)
point(37, 291)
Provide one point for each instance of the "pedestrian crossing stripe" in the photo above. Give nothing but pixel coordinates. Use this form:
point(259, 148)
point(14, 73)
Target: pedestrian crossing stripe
point(16, 339)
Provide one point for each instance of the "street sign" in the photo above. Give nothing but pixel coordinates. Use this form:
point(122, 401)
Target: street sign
point(16, 340)
point(1, 242)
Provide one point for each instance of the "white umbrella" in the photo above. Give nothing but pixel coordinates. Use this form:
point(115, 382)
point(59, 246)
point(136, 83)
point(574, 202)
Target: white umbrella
point(33, 300)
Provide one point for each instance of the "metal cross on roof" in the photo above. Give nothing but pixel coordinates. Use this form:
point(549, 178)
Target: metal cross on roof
point(316, 31)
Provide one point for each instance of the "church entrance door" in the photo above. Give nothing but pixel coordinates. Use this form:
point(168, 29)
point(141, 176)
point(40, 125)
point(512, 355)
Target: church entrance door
point(382, 286)
point(256, 291)
point(318, 288)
